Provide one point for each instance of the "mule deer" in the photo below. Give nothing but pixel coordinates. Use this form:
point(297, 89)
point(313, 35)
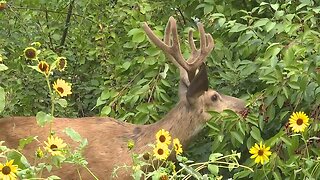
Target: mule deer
point(108, 137)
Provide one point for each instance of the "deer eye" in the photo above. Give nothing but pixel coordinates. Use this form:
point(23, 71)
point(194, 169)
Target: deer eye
point(214, 97)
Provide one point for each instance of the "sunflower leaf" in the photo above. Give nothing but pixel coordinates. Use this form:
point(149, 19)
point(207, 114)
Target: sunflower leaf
point(43, 118)
point(62, 102)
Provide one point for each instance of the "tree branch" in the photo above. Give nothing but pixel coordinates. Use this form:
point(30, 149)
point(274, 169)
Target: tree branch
point(65, 32)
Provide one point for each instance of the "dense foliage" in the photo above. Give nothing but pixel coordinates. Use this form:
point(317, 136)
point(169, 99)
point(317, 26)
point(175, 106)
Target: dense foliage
point(265, 52)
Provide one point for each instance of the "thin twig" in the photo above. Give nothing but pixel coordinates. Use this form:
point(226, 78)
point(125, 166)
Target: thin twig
point(65, 32)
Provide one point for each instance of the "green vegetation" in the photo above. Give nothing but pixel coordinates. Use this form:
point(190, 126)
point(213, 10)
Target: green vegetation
point(265, 52)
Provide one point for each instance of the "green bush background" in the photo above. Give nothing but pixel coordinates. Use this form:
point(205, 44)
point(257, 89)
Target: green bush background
point(265, 52)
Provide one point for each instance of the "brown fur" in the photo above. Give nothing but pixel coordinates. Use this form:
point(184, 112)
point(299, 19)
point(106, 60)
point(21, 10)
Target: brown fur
point(108, 137)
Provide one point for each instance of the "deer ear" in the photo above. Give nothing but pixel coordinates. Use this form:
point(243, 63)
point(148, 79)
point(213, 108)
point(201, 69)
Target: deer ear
point(198, 85)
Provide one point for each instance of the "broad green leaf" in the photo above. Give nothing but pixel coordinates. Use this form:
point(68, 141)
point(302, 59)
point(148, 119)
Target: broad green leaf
point(43, 118)
point(214, 169)
point(62, 102)
point(255, 133)
point(269, 26)
point(261, 22)
point(106, 110)
point(237, 27)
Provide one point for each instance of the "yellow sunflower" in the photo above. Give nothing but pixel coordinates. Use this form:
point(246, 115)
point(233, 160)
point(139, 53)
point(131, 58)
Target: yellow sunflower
point(163, 136)
point(62, 87)
point(161, 151)
point(61, 63)
point(260, 153)
point(44, 67)
point(298, 121)
point(177, 146)
point(3, 5)
point(30, 53)
point(8, 171)
point(54, 146)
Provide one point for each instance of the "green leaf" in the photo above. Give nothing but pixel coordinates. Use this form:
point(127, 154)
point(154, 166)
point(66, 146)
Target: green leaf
point(213, 157)
point(275, 6)
point(106, 110)
point(74, 135)
point(255, 133)
point(269, 26)
point(2, 99)
point(105, 94)
point(126, 65)
point(261, 22)
point(138, 38)
point(286, 140)
point(62, 102)
point(237, 136)
point(43, 118)
point(3, 67)
point(242, 174)
point(214, 169)
point(237, 27)
point(25, 141)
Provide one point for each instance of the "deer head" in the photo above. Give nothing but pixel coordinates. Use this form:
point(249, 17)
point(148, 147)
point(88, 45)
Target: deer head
point(196, 98)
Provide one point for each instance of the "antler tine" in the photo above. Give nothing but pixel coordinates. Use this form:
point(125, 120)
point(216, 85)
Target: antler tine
point(206, 46)
point(194, 50)
point(171, 50)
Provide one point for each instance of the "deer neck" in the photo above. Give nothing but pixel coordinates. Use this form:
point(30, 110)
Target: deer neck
point(183, 121)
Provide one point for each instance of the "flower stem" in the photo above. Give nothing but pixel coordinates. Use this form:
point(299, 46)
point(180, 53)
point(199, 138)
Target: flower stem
point(52, 100)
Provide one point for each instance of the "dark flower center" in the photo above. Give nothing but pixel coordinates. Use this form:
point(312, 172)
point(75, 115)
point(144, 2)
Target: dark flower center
point(6, 170)
point(160, 151)
point(60, 89)
point(146, 156)
point(177, 147)
point(162, 138)
point(164, 177)
point(299, 121)
point(62, 63)
point(260, 152)
point(53, 147)
point(30, 53)
point(43, 67)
